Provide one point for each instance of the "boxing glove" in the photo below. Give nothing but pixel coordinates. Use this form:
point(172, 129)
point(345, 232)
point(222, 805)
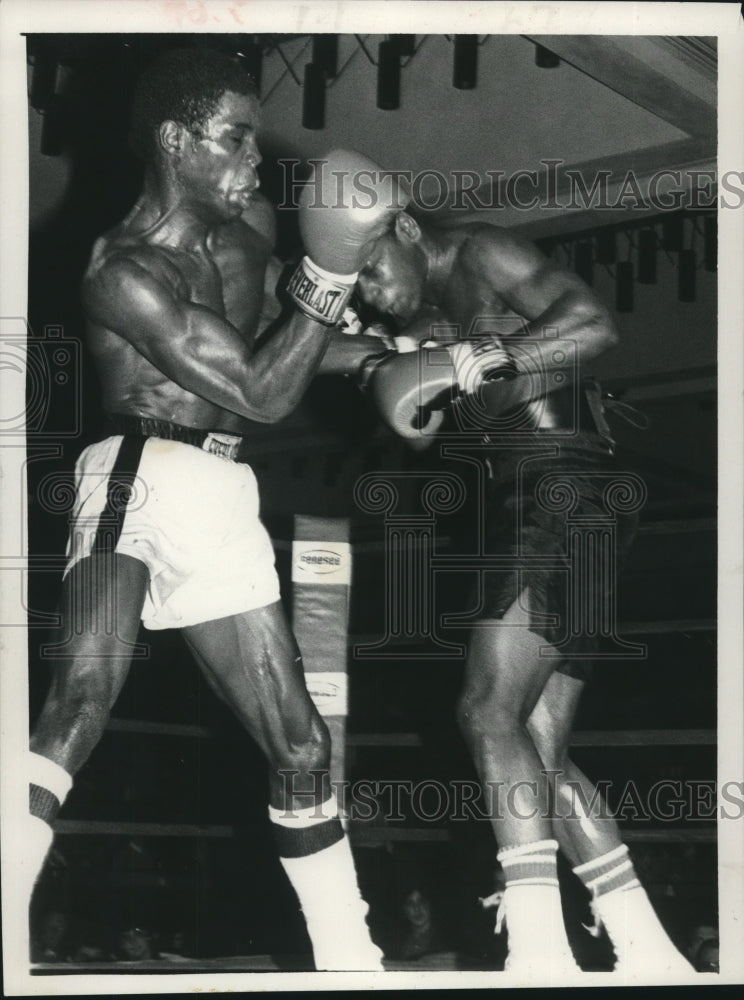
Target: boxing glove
point(347, 204)
point(410, 391)
point(479, 361)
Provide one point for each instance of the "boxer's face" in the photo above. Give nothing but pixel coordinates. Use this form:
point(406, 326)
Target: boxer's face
point(392, 278)
point(218, 166)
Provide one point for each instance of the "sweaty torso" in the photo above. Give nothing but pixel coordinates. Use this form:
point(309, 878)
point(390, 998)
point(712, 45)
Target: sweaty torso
point(226, 276)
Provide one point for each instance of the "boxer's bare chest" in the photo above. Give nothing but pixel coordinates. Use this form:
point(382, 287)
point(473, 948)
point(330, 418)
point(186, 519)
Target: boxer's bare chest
point(222, 276)
point(225, 277)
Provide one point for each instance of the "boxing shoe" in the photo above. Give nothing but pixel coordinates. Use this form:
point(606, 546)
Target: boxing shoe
point(643, 951)
point(347, 945)
point(539, 952)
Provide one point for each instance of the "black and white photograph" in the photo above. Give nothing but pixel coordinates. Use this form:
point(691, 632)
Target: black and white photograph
point(371, 458)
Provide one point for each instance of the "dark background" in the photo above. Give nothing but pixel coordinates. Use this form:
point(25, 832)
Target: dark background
point(228, 893)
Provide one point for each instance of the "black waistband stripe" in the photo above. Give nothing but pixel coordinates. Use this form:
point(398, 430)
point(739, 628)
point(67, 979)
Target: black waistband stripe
point(118, 493)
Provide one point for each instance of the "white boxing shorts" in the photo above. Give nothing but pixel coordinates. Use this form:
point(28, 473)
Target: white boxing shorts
point(191, 517)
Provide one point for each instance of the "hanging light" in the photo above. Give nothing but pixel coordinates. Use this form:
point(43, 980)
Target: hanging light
point(52, 132)
point(710, 243)
point(546, 59)
point(325, 54)
point(686, 276)
point(406, 44)
point(624, 286)
point(313, 97)
point(606, 246)
point(388, 75)
point(583, 261)
point(43, 76)
point(672, 233)
point(647, 257)
point(465, 71)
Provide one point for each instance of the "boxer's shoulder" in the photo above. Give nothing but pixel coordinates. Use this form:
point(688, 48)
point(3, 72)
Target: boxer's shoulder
point(498, 256)
point(481, 240)
point(117, 264)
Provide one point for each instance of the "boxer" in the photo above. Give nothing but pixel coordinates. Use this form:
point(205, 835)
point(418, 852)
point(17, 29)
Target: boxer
point(166, 526)
point(521, 330)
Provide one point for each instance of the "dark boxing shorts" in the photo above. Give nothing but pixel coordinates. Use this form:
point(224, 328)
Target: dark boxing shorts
point(564, 516)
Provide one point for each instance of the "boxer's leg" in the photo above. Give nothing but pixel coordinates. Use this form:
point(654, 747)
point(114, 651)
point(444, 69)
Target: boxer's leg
point(505, 675)
point(102, 598)
point(254, 659)
point(592, 832)
point(591, 840)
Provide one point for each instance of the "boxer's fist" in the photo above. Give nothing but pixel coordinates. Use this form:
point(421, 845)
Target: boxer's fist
point(411, 390)
point(347, 204)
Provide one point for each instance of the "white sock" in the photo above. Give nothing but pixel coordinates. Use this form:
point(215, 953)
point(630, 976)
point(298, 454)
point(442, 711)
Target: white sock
point(49, 785)
point(620, 902)
point(538, 944)
point(315, 854)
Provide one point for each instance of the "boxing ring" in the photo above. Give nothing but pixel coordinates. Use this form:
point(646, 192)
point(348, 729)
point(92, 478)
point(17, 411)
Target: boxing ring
point(329, 604)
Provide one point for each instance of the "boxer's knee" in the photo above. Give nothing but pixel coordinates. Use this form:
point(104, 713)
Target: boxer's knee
point(304, 749)
point(314, 752)
point(77, 707)
point(485, 718)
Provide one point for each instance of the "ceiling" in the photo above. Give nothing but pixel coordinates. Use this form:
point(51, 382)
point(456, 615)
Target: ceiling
point(614, 103)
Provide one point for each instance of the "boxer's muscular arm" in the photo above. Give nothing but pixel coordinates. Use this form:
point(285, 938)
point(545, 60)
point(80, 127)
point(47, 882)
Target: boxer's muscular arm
point(558, 306)
point(198, 350)
point(346, 352)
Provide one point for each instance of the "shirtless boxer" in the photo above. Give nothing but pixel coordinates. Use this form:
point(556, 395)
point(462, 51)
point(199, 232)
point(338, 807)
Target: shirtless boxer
point(166, 525)
point(520, 693)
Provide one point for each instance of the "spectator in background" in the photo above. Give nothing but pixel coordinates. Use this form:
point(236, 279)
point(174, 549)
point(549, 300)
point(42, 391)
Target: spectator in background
point(175, 947)
point(135, 944)
point(418, 919)
point(419, 936)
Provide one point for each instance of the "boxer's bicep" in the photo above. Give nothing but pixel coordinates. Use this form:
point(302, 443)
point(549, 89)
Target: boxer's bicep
point(190, 344)
point(200, 351)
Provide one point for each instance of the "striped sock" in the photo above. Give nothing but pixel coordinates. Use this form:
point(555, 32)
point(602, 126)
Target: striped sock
point(612, 872)
point(302, 832)
point(619, 901)
point(48, 787)
point(530, 864)
point(315, 854)
point(538, 944)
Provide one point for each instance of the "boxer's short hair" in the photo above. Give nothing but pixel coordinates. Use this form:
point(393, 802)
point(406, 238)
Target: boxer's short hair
point(185, 86)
